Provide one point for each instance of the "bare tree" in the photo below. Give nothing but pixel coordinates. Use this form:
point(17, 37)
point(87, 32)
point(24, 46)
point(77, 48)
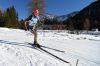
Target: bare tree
point(40, 4)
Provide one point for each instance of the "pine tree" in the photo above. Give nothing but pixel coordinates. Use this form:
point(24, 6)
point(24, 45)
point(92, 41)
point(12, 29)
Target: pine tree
point(0, 12)
point(2, 23)
point(6, 18)
point(71, 25)
point(87, 24)
point(11, 18)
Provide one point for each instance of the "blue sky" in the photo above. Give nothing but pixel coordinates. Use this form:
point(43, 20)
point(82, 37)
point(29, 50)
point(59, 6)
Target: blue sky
point(56, 7)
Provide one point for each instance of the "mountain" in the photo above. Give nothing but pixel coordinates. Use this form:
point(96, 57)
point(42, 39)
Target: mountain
point(92, 12)
point(60, 18)
point(64, 17)
point(49, 16)
point(88, 17)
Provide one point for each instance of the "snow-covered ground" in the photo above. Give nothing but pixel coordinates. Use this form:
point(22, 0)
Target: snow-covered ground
point(14, 50)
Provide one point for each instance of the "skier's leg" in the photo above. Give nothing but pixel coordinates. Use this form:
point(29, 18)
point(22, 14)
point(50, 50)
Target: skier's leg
point(35, 38)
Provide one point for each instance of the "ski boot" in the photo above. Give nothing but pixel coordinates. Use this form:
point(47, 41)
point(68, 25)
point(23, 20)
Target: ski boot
point(36, 44)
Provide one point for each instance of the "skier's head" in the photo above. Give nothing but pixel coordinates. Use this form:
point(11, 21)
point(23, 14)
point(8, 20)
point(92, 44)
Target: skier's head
point(36, 11)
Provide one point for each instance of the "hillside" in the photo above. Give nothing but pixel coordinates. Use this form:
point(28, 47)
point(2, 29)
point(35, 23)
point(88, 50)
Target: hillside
point(89, 15)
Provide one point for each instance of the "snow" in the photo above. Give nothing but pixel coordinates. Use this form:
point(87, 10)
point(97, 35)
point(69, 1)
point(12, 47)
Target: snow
point(14, 50)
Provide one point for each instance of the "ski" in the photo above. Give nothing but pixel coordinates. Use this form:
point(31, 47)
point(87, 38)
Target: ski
point(49, 48)
point(40, 48)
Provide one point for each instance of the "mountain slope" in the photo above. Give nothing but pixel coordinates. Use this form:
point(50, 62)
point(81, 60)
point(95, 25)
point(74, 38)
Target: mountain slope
point(92, 12)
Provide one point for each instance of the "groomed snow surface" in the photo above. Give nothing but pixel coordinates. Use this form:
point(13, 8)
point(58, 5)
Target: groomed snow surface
point(15, 51)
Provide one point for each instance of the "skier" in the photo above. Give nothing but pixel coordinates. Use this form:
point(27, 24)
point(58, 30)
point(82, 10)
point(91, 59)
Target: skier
point(31, 24)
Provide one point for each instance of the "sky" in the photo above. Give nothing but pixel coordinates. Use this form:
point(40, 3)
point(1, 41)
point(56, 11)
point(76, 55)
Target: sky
point(56, 7)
